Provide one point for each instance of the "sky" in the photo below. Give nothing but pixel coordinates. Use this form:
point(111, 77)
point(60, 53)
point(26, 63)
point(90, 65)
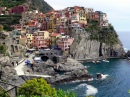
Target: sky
point(118, 11)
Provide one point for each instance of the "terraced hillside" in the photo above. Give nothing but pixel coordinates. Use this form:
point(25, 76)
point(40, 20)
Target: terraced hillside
point(40, 5)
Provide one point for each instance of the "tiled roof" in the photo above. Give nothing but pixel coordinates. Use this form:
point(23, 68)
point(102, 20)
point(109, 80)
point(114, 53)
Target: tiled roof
point(31, 25)
point(77, 7)
point(54, 34)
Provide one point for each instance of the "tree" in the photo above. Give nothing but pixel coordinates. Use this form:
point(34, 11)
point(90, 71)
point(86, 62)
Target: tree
point(40, 88)
point(37, 87)
point(2, 49)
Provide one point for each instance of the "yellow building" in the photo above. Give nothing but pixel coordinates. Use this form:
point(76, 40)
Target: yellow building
point(29, 40)
point(45, 34)
point(52, 21)
point(82, 17)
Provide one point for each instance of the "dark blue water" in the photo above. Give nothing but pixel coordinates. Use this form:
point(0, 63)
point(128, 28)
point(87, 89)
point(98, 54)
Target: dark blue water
point(116, 84)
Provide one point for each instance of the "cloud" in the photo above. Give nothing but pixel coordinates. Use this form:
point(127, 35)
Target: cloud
point(118, 11)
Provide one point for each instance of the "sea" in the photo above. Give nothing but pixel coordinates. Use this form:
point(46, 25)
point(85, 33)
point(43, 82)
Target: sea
point(116, 76)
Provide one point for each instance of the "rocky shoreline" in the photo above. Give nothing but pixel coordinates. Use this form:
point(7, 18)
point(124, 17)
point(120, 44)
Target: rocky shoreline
point(65, 71)
point(62, 72)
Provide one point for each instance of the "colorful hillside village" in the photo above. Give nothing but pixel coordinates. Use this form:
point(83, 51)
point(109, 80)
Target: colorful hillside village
point(54, 29)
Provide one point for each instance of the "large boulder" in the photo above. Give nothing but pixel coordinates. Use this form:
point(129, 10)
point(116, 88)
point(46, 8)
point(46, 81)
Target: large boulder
point(69, 65)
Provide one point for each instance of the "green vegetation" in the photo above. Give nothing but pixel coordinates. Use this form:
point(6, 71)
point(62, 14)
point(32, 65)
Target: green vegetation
point(37, 87)
point(11, 3)
point(40, 5)
point(2, 93)
point(2, 49)
point(8, 20)
point(103, 35)
point(93, 25)
point(40, 88)
point(61, 93)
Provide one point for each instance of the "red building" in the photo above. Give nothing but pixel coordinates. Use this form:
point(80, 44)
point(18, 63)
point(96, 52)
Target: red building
point(44, 26)
point(58, 14)
point(67, 14)
point(18, 9)
point(77, 8)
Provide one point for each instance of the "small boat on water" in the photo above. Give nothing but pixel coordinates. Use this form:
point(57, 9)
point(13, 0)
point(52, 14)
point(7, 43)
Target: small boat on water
point(105, 60)
point(97, 61)
point(94, 61)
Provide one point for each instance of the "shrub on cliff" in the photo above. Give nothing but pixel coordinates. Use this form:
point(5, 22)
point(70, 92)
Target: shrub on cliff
point(61, 93)
point(2, 49)
point(37, 87)
point(40, 88)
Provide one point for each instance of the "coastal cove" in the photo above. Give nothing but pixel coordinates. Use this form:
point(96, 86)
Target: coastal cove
point(114, 84)
point(68, 52)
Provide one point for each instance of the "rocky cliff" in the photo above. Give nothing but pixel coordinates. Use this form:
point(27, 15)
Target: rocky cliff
point(85, 48)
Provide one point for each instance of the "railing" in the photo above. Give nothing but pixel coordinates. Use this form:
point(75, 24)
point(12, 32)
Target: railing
point(2, 90)
point(7, 91)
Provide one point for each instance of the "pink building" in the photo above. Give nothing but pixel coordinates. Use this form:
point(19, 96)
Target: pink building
point(62, 30)
point(40, 39)
point(65, 42)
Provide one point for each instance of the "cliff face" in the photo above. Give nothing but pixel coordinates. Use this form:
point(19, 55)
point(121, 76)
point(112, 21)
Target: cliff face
point(84, 48)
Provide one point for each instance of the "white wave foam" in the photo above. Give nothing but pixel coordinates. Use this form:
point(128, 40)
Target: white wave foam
point(89, 89)
point(104, 76)
point(91, 79)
